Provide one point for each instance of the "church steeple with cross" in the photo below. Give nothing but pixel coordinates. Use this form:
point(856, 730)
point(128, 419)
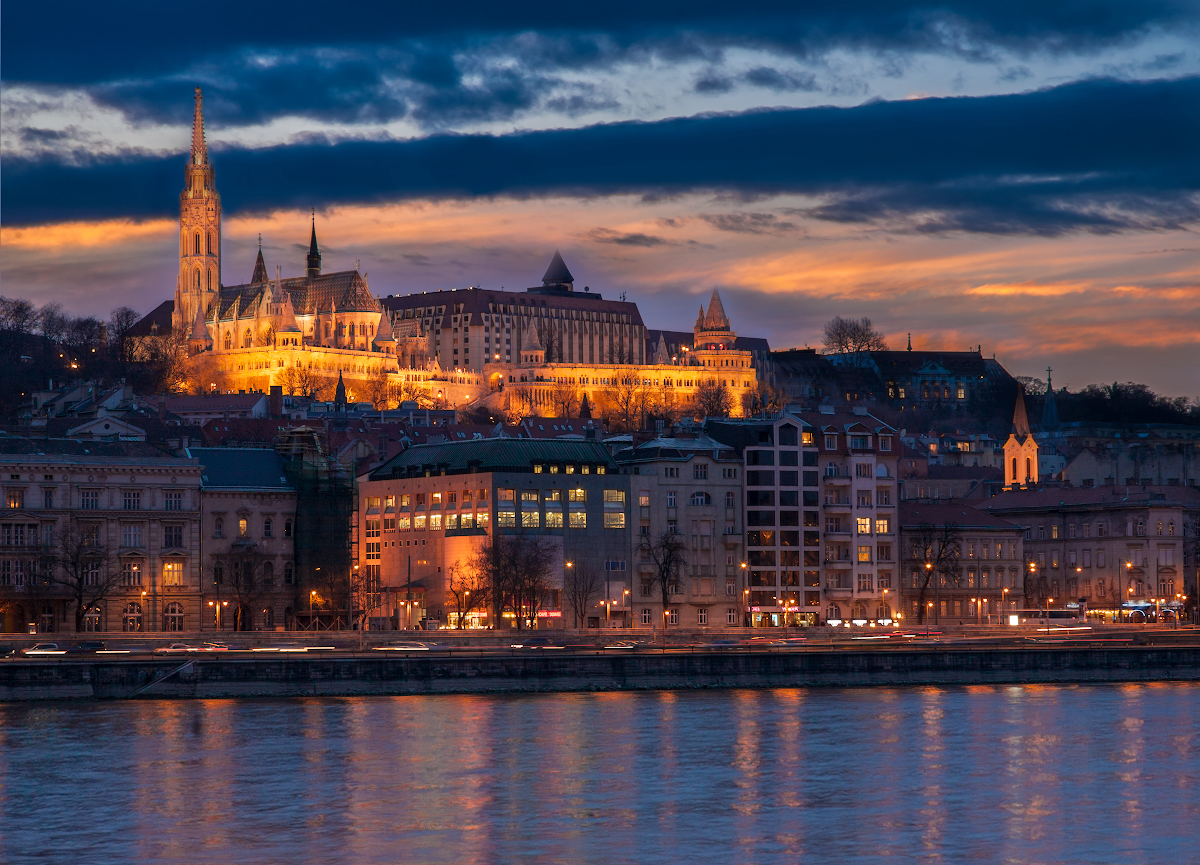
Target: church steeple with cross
point(199, 227)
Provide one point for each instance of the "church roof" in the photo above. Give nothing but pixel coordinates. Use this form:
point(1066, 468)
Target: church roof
point(532, 343)
point(383, 332)
point(199, 146)
point(160, 316)
point(199, 329)
point(557, 272)
point(345, 290)
point(715, 318)
point(1020, 422)
point(260, 268)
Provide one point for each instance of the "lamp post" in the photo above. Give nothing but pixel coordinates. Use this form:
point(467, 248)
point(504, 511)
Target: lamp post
point(1049, 601)
point(929, 567)
point(1003, 605)
point(312, 595)
point(927, 615)
point(978, 604)
point(627, 607)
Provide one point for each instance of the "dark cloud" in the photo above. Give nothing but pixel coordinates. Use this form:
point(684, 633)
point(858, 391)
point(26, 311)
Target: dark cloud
point(95, 43)
point(607, 235)
point(773, 79)
point(1094, 156)
point(748, 223)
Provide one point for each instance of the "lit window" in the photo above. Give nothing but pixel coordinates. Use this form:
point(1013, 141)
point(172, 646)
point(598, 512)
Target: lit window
point(243, 527)
point(864, 554)
point(864, 525)
point(173, 573)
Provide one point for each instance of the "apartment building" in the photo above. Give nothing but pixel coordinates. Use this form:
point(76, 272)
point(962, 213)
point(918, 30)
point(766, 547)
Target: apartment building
point(428, 511)
point(981, 577)
point(782, 519)
point(114, 523)
point(687, 484)
point(858, 458)
point(1109, 548)
point(248, 528)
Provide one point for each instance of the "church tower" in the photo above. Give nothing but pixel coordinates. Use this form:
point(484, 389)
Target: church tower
point(1020, 449)
point(199, 278)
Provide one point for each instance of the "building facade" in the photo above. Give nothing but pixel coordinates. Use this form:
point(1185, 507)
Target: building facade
point(1106, 548)
point(690, 486)
point(247, 549)
point(108, 531)
point(427, 513)
point(977, 581)
point(858, 467)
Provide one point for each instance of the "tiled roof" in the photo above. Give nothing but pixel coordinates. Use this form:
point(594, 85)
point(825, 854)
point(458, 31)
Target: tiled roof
point(912, 514)
point(73, 447)
point(495, 455)
point(221, 402)
point(346, 288)
point(240, 468)
point(1041, 498)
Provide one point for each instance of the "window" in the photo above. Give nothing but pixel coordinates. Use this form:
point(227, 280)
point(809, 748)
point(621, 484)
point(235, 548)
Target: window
point(287, 528)
point(219, 528)
point(132, 500)
point(554, 518)
point(729, 499)
point(90, 500)
point(16, 498)
point(864, 553)
point(864, 582)
point(267, 527)
point(702, 616)
point(173, 500)
point(644, 499)
point(700, 472)
point(729, 474)
point(578, 519)
point(864, 525)
point(243, 527)
point(645, 615)
point(577, 496)
point(860, 443)
point(172, 573)
point(671, 472)
point(885, 443)
point(883, 526)
point(504, 519)
point(131, 535)
point(173, 537)
point(531, 519)
point(91, 620)
point(883, 497)
point(508, 495)
point(701, 498)
point(614, 520)
point(131, 619)
point(614, 497)
point(670, 498)
point(1054, 532)
point(131, 573)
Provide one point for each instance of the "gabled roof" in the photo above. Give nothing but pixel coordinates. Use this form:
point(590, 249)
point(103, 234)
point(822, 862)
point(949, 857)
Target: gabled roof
point(160, 316)
point(1020, 422)
point(260, 268)
point(346, 290)
point(240, 468)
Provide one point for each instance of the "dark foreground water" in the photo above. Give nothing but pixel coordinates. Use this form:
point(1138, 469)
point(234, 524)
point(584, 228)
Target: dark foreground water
point(988, 774)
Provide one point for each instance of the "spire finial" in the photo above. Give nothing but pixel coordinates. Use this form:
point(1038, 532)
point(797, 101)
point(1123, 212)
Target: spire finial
point(199, 147)
point(314, 254)
point(910, 341)
point(260, 241)
point(1049, 385)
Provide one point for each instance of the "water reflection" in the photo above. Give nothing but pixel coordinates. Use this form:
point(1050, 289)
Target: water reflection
point(989, 774)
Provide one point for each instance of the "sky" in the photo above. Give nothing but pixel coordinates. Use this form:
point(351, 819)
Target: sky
point(1018, 176)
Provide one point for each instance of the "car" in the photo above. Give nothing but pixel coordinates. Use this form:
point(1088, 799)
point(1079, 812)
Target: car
point(403, 646)
point(86, 648)
point(174, 649)
point(42, 649)
point(722, 644)
point(536, 643)
point(6, 650)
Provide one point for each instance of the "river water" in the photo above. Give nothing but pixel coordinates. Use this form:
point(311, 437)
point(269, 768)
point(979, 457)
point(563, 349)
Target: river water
point(984, 774)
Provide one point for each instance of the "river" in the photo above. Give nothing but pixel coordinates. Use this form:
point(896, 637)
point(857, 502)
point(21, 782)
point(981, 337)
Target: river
point(1030, 774)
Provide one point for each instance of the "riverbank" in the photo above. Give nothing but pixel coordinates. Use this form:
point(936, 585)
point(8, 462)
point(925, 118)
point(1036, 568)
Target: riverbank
point(481, 672)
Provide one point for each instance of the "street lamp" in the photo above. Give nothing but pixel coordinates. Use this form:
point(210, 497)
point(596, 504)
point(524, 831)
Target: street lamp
point(311, 597)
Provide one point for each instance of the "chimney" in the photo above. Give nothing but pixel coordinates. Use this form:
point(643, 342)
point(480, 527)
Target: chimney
point(276, 401)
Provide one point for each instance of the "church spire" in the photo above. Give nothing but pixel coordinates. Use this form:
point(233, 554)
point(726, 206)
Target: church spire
point(1020, 421)
point(1050, 407)
point(199, 146)
point(260, 266)
point(314, 254)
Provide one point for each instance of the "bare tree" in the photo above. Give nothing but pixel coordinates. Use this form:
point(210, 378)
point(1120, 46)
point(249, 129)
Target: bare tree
point(379, 389)
point(668, 554)
point(266, 336)
point(120, 321)
point(934, 553)
point(853, 339)
point(78, 564)
point(581, 586)
point(712, 399)
point(311, 384)
point(516, 570)
point(566, 397)
point(627, 397)
point(469, 590)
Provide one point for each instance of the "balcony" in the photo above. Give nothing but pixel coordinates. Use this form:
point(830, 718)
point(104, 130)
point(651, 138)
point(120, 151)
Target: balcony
point(838, 506)
point(838, 563)
point(835, 590)
point(732, 540)
point(840, 479)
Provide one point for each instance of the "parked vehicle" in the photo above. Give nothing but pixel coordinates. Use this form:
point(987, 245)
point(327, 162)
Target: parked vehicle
point(86, 648)
point(536, 643)
point(6, 650)
point(43, 649)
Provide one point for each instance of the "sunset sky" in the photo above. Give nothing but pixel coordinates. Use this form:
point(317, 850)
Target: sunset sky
point(1023, 176)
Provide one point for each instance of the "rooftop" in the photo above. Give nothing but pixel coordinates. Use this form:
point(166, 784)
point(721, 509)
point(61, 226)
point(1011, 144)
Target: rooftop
point(240, 468)
point(506, 454)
